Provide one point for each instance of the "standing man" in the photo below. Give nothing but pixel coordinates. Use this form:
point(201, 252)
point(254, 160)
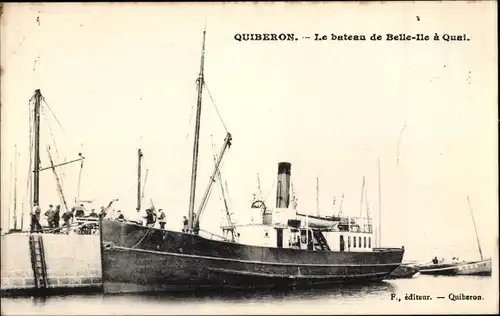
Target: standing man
point(162, 219)
point(184, 224)
point(49, 214)
point(35, 219)
point(56, 217)
point(150, 218)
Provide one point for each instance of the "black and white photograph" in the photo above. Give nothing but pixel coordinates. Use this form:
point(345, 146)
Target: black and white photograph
point(263, 158)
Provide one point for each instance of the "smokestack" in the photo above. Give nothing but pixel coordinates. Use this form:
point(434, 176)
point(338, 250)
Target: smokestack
point(283, 187)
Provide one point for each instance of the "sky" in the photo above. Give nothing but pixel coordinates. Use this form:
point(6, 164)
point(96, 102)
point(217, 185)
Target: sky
point(121, 77)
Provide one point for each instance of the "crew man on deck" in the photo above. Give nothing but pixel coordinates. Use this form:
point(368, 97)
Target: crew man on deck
point(49, 214)
point(120, 216)
point(162, 219)
point(35, 220)
point(103, 212)
point(184, 224)
point(150, 218)
point(67, 217)
point(56, 217)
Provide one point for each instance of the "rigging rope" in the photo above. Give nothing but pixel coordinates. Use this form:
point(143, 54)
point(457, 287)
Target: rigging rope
point(51, 133)
point(270, 189)
point(60, 125)
point(61, 173)
point(190, 119)
point(215, 106)
point(140, 240)
point(144, 177)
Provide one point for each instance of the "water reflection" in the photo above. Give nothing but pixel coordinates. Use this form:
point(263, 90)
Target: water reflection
point(353, 291)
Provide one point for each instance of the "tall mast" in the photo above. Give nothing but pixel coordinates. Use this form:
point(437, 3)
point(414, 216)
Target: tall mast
point(139, 196)
point(22, 215)
point(334, 200)
point(317, 195)
point(475, 228)
point(15, 190)
point(341, 203)
point(367, 205)
point(379, 206)
point(361, 200)
point(79, 182)
point(36, 157)
point(194, 168)
point(10, 195)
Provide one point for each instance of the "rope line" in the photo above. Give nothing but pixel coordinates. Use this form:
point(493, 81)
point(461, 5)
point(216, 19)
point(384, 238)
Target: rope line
point(61, 173)
point(140, 240)
point(59, 123)
point(215, 106)
point(190, 119)
point(269, 192)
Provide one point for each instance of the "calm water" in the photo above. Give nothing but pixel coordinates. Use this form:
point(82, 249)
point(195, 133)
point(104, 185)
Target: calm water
point(366, 299)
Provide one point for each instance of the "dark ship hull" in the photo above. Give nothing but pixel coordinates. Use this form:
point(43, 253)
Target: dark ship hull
point(141, 259)
point(404, 272)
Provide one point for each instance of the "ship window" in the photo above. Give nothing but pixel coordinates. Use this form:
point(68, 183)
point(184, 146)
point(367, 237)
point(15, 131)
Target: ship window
point(354, 244)
point(369, 242)
point(348, 241)
point(364, 242)
point(359, 241)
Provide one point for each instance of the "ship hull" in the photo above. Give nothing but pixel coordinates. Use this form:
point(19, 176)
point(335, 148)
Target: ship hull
point(404, 272)
point(140, 259)
point(476, 268)
point(480, 268)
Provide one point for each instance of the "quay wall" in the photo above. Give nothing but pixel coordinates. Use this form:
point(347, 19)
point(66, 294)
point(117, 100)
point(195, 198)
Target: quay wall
point(16, 270)
point(71, 262)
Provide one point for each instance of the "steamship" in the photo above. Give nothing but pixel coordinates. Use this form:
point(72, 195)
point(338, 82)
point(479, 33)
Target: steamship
point(279, 249)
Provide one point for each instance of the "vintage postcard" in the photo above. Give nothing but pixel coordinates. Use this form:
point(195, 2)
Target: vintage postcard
point(249, 158)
